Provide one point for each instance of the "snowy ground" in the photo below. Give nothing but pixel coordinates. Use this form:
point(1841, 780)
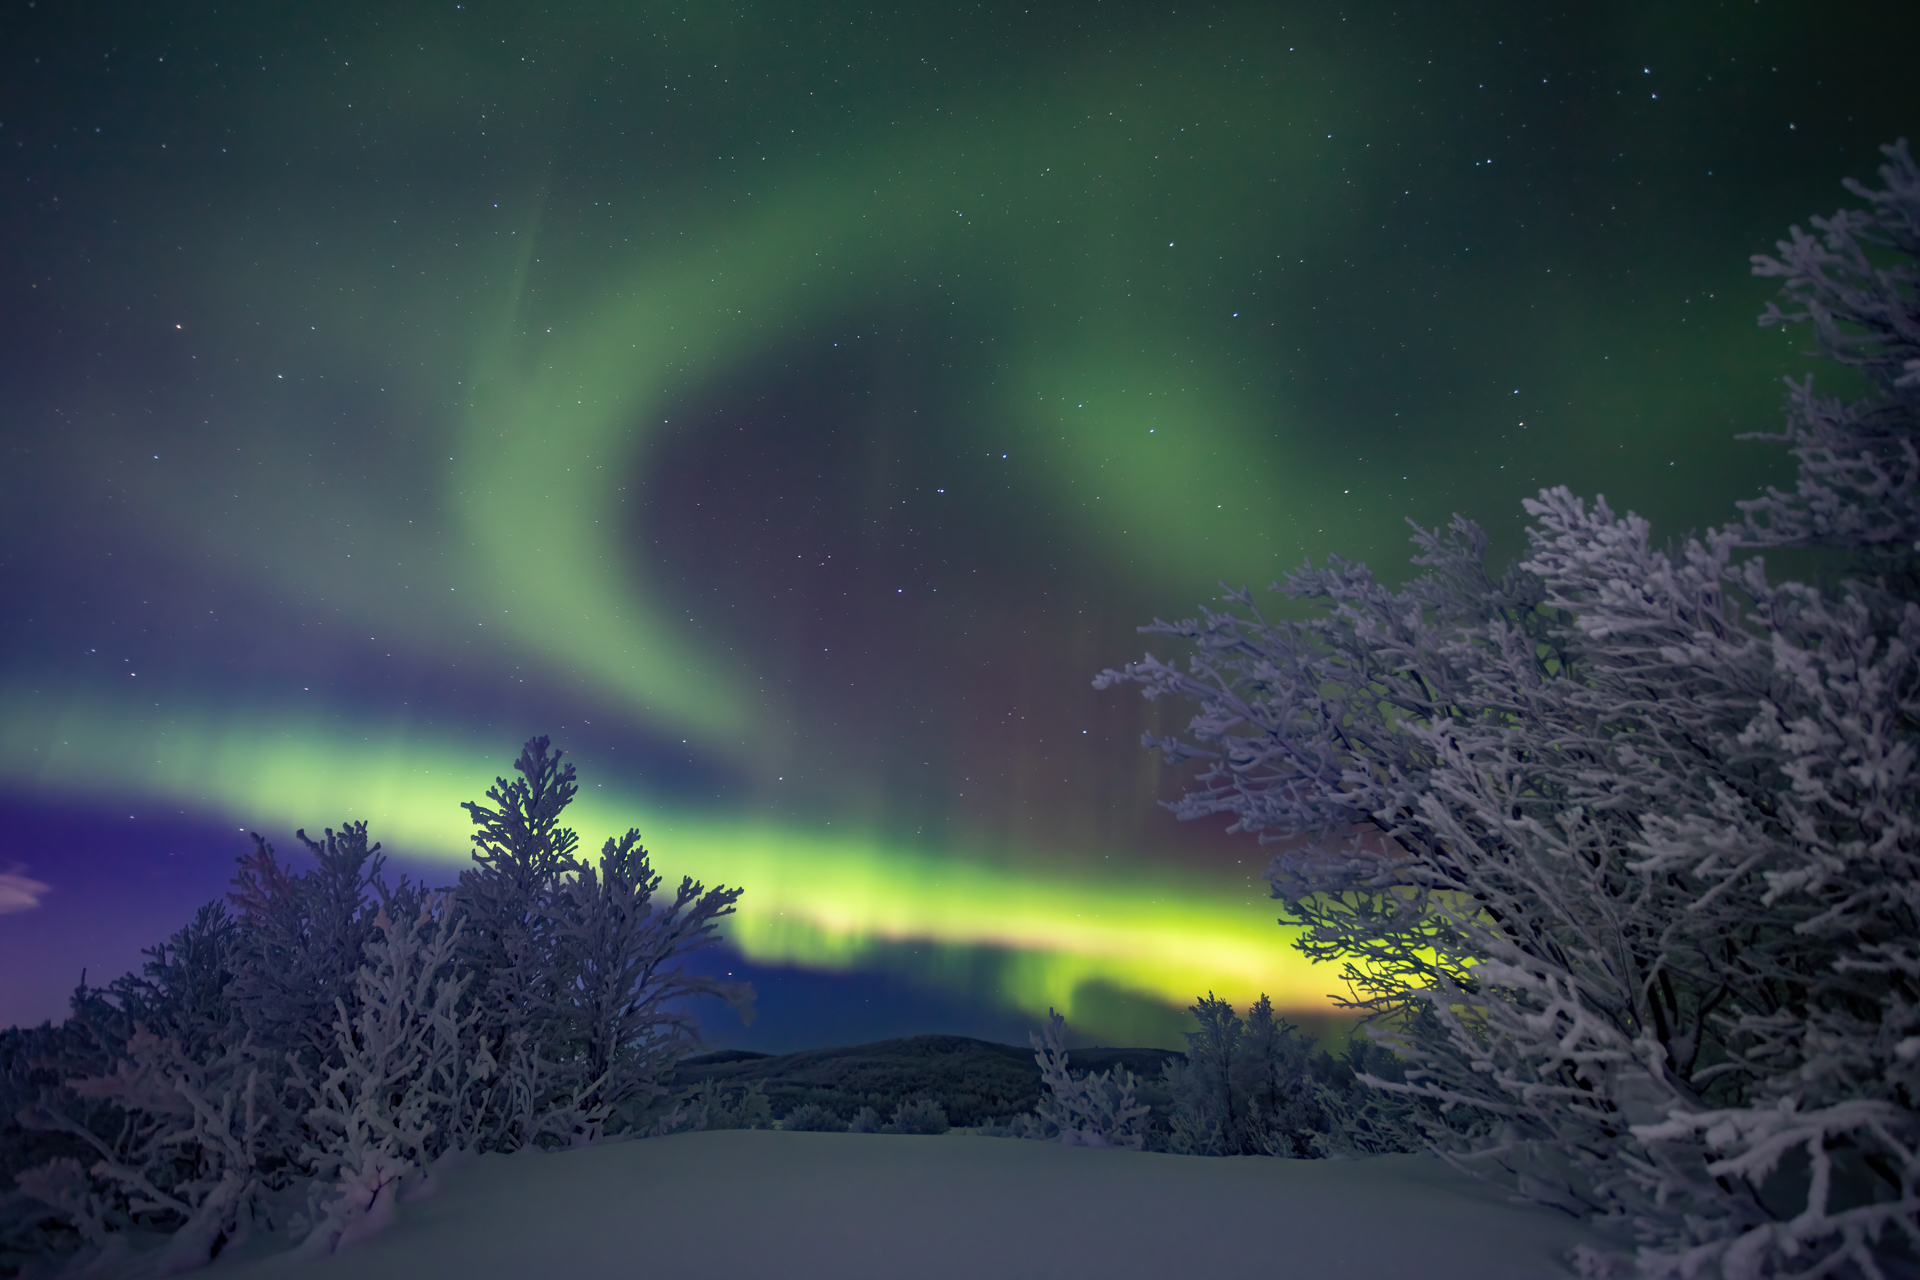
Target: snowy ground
point(745, 1204)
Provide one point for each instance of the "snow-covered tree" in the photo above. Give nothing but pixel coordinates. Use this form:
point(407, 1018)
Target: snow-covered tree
point(1247, 1088)
point(622, 989)
point(303, 937)
point(1859, 484)
point(339, 1036)
point(1618, 848)
point(508, 901)
point(576, 964)
point(1257, 1087)
point(1085, 1110)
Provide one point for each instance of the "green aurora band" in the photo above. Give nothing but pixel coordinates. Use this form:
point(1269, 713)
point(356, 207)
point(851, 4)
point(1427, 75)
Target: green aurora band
point(1043, 225)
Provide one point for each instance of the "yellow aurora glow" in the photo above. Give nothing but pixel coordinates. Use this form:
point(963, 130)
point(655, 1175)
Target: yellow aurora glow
point(814, 897)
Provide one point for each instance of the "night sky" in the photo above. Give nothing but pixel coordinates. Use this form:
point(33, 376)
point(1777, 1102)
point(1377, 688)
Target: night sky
point(791, 408)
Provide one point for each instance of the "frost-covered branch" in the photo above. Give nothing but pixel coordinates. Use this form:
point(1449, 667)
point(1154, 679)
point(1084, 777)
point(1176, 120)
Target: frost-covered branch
point(1619, 849)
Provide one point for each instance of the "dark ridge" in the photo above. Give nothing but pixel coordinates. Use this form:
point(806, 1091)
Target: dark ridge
point(721, 1055)
point(977, 1081)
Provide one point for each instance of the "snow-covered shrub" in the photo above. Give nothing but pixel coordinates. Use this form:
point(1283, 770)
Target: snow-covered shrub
point(1097, 1110)
point(707, 1106)
point(811, 1117)
point(1619, 847)
point(178, 1083)
point(865, 1120)
point(186, 1161)
point(921, 1115)
point(172, 1116)
point(1019, 1126)
point(410, 1080)
point(749, 1110)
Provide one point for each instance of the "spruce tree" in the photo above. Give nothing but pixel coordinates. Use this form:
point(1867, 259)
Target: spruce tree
point(507, 901)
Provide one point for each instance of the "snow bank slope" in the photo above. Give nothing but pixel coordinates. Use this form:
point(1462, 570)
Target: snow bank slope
point(744, 1204)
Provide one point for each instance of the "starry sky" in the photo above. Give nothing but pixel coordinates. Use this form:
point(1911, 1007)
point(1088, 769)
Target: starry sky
point(789, 409)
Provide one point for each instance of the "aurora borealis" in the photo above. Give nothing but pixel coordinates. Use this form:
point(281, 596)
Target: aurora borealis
point(789, 409)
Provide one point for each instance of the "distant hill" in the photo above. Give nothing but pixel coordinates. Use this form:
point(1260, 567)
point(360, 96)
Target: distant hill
point(977, 1081)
